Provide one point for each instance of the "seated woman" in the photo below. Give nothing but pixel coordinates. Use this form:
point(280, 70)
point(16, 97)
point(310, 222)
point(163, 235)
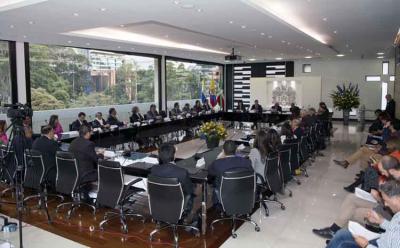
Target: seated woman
point(136, 115)
point(323, 112)
point(56, 125)
point(99, 122)
point(186, 109)
point(3, 134)
point(265, 143)
point(240, 107)
point(197, 108)
point(113, 119)
point(176, 110)
point(206, 106)
point(152, 114)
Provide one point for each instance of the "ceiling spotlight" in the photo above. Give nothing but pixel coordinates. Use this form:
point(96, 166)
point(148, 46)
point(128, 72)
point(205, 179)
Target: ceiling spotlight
point(230, 22)
point(308, 57)
point(347, 45)
point(325, 19)
point(252, 59)
point(69, 42)
point(119, 47)
point(288, 43)
point(243, 26)
point(380, 57)
point(75, 14)
point(12, 26)
point(283, 41)
point(24, 36)
point(199, 10)
point(87, 44)
point(380, 53)
point(122, 25)
point(339, 55)
point(31, 22)
point(278, 58)
point(102, 9)
point(335, 32)
point(262, 34)
point(176, 2)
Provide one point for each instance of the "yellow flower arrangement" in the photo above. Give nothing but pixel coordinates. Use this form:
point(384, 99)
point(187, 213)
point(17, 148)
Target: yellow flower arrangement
point(212, 128)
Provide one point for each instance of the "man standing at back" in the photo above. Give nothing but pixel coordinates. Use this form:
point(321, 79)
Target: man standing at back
point(228, 161)
point(47, 145)
point(390, 106)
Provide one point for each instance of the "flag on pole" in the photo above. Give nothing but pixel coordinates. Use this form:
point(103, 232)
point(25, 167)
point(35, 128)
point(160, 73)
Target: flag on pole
point(213, 97)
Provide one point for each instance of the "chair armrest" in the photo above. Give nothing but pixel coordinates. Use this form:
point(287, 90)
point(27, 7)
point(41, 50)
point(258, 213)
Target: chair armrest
point(133, 182)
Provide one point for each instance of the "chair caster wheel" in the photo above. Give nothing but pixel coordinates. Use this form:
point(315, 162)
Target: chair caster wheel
point(257, 228)
point(298, 183)
point(234, 235)
point(283, 207)
point(290, 194)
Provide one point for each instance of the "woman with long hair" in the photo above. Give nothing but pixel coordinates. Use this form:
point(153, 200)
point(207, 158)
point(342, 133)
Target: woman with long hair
point(3, 134)
point(56, 125)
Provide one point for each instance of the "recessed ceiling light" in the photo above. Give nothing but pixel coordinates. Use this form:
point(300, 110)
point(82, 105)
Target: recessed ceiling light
point(119, 47)
point(176, 2)
point(262, 34)
point(24, 36)
point(243, 26)
point(335, 32)
point(380, 53)
point(166, 36)
point(132, 48)
point(12, 26)
point(252, 59)
point(351, 50)
point(14, 4)
point(283, 41)
point(75, 14)
point(284, 11)
point(288, 43)
point(308, 57)
point(31, 22)
point(69, 41)
point(118, 35)
point(325, 19)
point(87, 44)
point(347, 45)
point(278, 58)
point(380, 57)
point(340, 55)
point(199, 10)
point(122, 25)
point(230, 22)
point(102, 9)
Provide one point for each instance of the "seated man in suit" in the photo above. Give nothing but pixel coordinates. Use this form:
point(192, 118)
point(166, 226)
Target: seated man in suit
point(152, 114)
point(48, 146)
point(206, 105)
point(168, 168)
point(81, 121)
point(276, 108)
point(226, 161)
point(136, 115)
point(99, 122)
point(256, 108)
point(186, 109)
point(113, 119)
point(294, 110)
point(176, 110)
point(84, 151)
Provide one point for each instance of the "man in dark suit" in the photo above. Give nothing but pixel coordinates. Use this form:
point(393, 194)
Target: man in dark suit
point(227, 161)
point(168, 168)
point(47, 145)
point(99, 122)
point(113, 119)
point(136, 115)
point(81, 121)
point(276, 108)
point(257, 107)
point(84, 151)
point(390, 106)
point(294, 110)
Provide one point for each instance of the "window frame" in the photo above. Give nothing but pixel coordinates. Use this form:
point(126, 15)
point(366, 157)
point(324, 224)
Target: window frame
point(12, 56)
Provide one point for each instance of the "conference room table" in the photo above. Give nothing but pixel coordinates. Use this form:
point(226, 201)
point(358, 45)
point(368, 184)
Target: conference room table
point(126, 134)
point(187, 156)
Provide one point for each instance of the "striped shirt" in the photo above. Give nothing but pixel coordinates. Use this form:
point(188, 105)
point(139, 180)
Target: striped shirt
point(391, 237)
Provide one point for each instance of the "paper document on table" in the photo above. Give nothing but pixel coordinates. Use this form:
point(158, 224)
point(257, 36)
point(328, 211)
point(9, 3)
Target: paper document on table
point(149, 160)
point(200, 163)
point(364, 195)
point(358, 230)
point(109, 154)
point(124, 161)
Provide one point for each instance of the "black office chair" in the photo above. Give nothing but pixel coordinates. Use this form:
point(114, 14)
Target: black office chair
point(70, 182)
point(113, 192)
point(8, 168)
point(284, 166)
point(271, 182)
point(294, 157)
point(237, 195)
point(36, 179)
point(305, 155)
point(166, 203)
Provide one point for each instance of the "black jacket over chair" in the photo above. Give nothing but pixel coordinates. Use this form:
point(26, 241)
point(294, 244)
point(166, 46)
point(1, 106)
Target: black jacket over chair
point(69, 181)
point(237, 194)
point(113, 192)
point(166, 203)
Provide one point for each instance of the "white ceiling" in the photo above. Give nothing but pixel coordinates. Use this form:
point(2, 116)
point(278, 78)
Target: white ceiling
point(356, 28)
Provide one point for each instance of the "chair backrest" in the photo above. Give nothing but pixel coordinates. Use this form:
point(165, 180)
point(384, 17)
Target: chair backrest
point(304, 151)
point(35, 170)
point(237, 192)
point(110, 184)
point(8, 162)
point(284, 162)
point(166, 199)
point(211, 156)
point(67, 173)
point(272, 175)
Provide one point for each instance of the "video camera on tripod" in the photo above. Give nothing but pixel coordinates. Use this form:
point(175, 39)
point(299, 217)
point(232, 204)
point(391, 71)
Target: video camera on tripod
point(18, 112)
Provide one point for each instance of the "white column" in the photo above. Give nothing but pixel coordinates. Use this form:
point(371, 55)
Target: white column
point(163, 84)
point(21, 79)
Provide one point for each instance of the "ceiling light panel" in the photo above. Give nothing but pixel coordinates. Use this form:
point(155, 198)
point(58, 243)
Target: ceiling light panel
point(114, 34)
point(285, 12)
point(14, 4)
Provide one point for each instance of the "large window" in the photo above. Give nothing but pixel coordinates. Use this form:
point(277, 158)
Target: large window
point(5, 81)
point(89, 80)
point(188, 81)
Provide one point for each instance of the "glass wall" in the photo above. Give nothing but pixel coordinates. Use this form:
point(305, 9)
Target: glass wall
point(188, 81)
point(5, 80)
point(70, 80)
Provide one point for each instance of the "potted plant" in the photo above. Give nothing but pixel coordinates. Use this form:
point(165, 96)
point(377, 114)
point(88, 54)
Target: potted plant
point(213, 132)
point(345, 98)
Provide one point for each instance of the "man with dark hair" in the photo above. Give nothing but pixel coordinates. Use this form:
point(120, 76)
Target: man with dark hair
point(84, 151)
point(256, 108)
point(377, 126)
point(167, 168)
point(390, 192)
point(81, 121)
point(227, 161)
point(390, 106)
point(47, 145)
